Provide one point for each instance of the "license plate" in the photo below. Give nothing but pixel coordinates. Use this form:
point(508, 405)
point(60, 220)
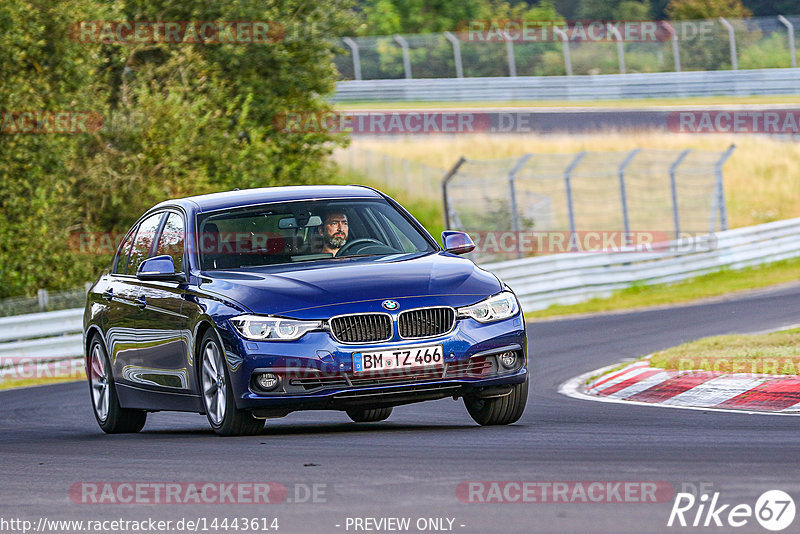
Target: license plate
point(400, 358)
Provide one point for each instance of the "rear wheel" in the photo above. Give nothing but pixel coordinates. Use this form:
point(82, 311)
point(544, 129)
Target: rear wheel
point(224, 417)
point(499, 410)
point(112, 418)
point(369, 416)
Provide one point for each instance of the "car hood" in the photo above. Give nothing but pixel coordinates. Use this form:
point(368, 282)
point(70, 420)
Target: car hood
point(324, 289)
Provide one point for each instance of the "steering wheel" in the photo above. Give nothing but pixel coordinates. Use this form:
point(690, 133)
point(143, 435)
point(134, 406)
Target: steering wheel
point(363, 241)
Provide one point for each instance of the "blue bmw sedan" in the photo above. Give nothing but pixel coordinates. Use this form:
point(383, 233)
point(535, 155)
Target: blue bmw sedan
point(248, 305)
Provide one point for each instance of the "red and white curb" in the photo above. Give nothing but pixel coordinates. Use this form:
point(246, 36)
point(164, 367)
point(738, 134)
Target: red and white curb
point(638, 383)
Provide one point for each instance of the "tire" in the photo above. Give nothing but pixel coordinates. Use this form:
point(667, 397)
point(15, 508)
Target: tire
point(112, 418)
point(369, 416)
point(499, 410)
point(217, 393)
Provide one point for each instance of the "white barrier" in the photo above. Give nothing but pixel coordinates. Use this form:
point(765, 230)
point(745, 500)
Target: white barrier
point(41, 336)
point(575, 277)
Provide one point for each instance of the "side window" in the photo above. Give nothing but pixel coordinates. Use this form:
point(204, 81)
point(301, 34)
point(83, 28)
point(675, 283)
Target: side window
point(143, 241)
point(171, 240)
point(124, 253)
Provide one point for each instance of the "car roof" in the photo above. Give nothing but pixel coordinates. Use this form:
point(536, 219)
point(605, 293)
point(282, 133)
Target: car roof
point(263, 195)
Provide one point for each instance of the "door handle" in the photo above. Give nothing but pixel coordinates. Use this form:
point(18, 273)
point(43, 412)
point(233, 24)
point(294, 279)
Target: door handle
point(141, 302)
point(108, 294)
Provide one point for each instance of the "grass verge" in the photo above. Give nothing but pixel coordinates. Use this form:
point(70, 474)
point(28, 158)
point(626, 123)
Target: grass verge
point(777, 353)
point(710, 285)
point(762, 177)
point(13, 383)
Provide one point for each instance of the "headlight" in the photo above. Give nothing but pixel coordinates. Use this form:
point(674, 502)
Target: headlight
point(262, 328)
point(501, 306)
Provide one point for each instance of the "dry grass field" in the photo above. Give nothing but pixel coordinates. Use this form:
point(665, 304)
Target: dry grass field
point(762, 177)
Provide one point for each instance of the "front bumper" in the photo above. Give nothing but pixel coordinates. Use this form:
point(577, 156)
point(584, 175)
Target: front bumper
point(317, 372)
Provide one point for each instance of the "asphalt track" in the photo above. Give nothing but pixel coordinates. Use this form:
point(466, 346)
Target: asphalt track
point(410, 465)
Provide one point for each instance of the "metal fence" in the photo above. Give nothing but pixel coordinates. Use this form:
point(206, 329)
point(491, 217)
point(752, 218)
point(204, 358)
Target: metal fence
point(44, 301)
point(714, 44)
point(666, 192)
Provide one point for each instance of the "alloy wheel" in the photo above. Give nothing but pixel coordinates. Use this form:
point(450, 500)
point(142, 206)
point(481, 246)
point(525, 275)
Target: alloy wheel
point(99, 378)
point(214, 387)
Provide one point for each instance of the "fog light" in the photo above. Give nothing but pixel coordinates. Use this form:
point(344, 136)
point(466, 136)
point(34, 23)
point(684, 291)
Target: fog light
point(267, 381)
point(508, 359)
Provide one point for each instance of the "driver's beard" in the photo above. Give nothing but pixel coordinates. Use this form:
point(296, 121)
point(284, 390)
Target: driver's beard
point(335, 242)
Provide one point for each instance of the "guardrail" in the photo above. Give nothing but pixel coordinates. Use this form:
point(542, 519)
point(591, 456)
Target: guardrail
point(591, 87)
point(575, 277)
point(38, 337)
point(538, 281)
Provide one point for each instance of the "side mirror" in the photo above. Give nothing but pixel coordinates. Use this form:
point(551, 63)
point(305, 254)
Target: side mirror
point(457, 242)
point(159, 268)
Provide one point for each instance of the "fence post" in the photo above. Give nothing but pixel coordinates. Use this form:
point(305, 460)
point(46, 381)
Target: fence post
point(356, 56)
point(387, 169)
point(620, 47)
point(568, 188)
point(790, 27)
point(732, 42)
point(445, 181)
point(406, 55)
point(623, 193)
point(673, 186)
point(512, 190)
point(565, 45)
point(676, 54)
point(456, 53)
point(719, 195)
point(44, 299)
point(512, 61)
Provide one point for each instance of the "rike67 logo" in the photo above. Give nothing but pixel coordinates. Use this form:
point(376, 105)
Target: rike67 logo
point(774, 510)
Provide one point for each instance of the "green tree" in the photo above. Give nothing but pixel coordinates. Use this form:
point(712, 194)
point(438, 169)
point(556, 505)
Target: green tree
point(43, 70)
point(180, 119)
point(706, 9)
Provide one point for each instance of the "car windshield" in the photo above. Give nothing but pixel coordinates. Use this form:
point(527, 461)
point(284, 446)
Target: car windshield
point(288, 232)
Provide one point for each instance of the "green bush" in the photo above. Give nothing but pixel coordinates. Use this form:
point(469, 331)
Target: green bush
point(180, 119)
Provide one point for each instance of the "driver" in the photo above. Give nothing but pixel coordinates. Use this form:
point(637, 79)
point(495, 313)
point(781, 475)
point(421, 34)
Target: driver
point(334, 231)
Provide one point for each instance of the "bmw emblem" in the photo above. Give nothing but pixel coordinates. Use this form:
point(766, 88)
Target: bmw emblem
point(390, 304)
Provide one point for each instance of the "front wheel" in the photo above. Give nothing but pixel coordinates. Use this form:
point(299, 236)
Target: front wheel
point(499, 410)
point(224, 417)
point(112, 418)
point(369, 416)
